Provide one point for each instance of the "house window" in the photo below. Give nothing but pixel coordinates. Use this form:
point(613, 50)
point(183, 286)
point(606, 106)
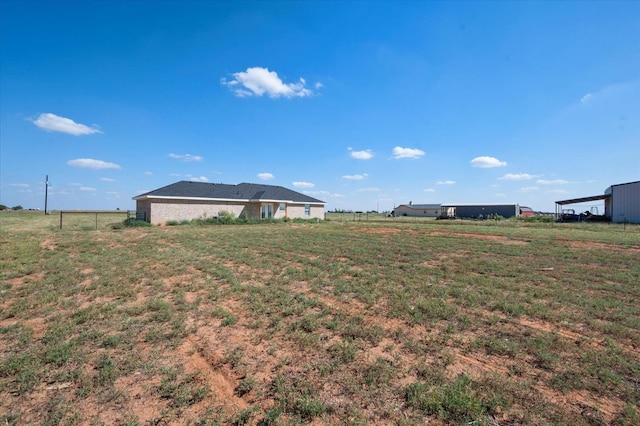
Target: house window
point(266, 211)
point(307, 210)
point(282, 206)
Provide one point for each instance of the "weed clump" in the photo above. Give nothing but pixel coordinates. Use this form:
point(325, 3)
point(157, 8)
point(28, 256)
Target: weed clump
point(130, 223)
point(538, 219)
point(452, 402)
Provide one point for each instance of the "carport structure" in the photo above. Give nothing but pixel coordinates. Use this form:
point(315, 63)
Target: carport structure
point(560, 204)
point(621, 203)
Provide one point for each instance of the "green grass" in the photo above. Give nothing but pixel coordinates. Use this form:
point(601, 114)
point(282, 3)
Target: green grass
point(371, 321)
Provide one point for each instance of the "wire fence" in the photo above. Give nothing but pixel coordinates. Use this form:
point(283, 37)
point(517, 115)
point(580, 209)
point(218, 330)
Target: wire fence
point(372, 216)
point(94, 219)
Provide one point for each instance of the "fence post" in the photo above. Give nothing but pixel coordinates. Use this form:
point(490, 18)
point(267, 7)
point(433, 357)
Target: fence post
point(60, 219)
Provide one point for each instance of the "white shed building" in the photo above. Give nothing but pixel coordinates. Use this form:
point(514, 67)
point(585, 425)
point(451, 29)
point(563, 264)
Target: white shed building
point(417, 210)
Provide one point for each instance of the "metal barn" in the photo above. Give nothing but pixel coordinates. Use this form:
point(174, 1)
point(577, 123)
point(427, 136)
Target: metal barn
point(480, 211)
point(526, 211)
point(623, 205)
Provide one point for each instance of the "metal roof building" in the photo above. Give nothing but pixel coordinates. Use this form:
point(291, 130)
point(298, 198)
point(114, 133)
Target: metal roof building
point(417, 210)
point(480, 211)
point(621, 202)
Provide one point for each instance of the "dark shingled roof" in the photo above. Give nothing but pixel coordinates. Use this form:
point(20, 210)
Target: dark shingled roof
point(242, 191)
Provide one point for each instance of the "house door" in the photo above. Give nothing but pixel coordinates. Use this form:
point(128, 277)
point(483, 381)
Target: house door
point(266, 211)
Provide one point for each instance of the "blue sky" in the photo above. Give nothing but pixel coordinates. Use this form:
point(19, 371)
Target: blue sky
point(364, 105)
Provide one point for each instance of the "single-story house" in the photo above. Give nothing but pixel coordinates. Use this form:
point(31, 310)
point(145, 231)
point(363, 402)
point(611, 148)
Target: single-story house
point(621, 203)
point(417, 210)
point(187, 200)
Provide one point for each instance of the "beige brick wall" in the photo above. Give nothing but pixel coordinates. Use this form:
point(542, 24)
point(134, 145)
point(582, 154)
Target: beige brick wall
point(295, 211)
point(162, 211)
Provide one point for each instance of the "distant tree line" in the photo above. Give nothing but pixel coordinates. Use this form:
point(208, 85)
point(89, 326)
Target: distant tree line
point(3, 207)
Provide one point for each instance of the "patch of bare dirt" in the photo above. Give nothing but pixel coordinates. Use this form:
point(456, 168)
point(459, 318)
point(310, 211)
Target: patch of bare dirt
point(346, 304)
point(476, 365)
point(498, 238)
point(38, 326)
point(48, 244)
point(86, 302)
point(600, 409)
point(547, 327)
point(35, 277)
point(140, 400)
point(438, 259)
point(380, 231)
point(592, 245)
point(201, 357)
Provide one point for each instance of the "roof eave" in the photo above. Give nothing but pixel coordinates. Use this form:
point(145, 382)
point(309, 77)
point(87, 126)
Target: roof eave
point(583, 199)
point(243, 200)
point(173, 197)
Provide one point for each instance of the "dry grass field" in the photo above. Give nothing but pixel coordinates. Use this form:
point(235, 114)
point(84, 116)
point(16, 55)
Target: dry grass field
point(364, 322)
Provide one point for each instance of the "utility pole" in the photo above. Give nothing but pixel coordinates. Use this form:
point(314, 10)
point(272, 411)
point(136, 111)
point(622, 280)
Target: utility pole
point(46, 193)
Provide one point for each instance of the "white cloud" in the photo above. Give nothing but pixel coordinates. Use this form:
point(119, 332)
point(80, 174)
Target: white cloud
point(517, 176)
point(104, 179)
point(399, 152)
point(89, 163)
point(429, 190)
point(529, 189)
point(185, 157)
point(199, 179)
point(552, 182)
point(265, 176)
point(87, 189)
point(361, 155)
point(586, 98)
point(258, 81)
point(324, 194)
point(558, 191)
point(53, 123)
point(303, 184)
point(356, 177)
point(370, 189)
point(446, 182)
point(148, 173)
point(486, 162)
point(19, 185)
